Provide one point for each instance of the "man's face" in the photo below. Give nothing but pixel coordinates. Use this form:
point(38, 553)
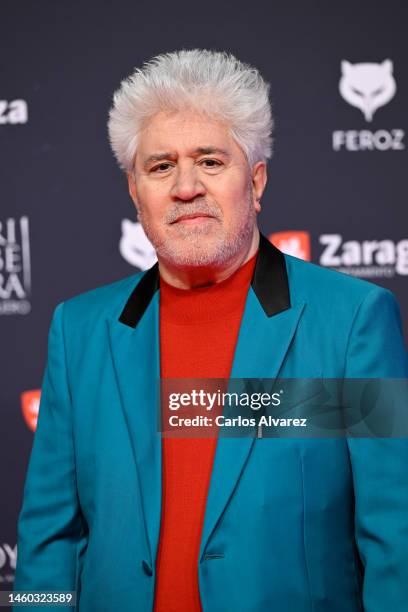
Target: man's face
point(194, 191)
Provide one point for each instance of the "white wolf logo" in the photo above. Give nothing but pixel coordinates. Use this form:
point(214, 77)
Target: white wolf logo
point(367, 86)
point(135, 247)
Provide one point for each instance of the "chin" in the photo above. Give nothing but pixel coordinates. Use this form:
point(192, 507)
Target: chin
point(188, 255)
point(202, 248)
point(193, 259)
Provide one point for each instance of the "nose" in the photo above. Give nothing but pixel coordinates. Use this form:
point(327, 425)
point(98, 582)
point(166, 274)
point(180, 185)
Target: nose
point(187, 184)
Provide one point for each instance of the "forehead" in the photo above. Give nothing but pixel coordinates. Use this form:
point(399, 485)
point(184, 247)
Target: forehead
point(184, 131)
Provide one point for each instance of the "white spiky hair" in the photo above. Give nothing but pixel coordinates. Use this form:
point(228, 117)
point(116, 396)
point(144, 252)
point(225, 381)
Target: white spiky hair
point(210, 82)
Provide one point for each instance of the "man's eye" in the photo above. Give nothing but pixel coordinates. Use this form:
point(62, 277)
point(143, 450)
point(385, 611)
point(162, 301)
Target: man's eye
point(211, 163)
point(161, 167)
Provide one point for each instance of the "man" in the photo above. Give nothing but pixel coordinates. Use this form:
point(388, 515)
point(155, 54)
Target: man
point(132, 520)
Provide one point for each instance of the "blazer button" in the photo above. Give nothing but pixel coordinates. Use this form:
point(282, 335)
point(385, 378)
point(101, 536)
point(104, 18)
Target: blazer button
point(147, 568)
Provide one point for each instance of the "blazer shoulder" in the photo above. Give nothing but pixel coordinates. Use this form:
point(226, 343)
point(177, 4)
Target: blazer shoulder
point(309, 281)
point(100, 302)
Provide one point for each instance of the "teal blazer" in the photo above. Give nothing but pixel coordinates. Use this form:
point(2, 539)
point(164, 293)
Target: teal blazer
point(291, 525)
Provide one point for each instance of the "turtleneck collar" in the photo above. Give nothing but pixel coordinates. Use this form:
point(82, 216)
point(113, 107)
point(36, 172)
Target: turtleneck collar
point(198, 305)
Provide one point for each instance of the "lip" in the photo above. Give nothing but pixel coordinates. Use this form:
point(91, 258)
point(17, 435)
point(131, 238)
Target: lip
point(192, 217)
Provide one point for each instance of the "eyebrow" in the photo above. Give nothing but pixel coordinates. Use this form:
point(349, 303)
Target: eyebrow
point(155, 157)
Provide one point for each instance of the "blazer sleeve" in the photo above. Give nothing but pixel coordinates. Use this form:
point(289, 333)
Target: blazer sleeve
point(380, 465)
point(51, 532)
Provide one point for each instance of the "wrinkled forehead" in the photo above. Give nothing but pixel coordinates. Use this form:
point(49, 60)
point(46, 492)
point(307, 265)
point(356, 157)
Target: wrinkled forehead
point(185, 133)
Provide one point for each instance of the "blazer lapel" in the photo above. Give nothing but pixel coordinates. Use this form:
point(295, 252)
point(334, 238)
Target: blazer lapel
point(135, 346)
point(268, 325)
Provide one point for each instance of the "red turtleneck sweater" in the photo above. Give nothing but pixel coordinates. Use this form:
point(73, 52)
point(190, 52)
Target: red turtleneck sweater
point(198, 334)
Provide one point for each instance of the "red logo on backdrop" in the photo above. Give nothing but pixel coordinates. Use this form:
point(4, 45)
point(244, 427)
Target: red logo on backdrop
point(293, 243)
point(30, 403)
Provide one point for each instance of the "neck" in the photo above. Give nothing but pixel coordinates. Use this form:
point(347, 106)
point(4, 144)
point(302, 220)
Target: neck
point(193, 277)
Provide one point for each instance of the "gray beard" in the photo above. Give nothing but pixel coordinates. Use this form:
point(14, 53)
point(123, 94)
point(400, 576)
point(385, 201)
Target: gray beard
point(190, 249)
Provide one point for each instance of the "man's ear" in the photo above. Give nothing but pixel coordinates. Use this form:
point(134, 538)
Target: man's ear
point(132, 187)
point(259, 178)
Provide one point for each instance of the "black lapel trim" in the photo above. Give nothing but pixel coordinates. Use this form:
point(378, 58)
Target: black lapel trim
point(270, 278)
point(140, 297)
point(269, 282)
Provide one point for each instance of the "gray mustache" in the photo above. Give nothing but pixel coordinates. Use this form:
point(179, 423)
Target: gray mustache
point(192, 209)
